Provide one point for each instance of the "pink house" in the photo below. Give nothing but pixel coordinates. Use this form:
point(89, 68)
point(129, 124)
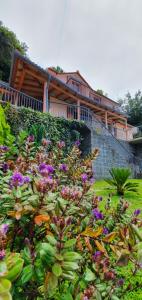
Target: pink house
point(65, 94)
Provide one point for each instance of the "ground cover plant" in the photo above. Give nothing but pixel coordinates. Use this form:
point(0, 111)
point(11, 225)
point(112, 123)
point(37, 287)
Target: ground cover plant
point(55, 241)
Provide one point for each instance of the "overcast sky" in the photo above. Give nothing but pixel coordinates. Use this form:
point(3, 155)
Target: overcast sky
point(100, 38)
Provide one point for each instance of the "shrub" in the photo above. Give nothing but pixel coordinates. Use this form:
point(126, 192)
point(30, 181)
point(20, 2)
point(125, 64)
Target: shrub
point(44, 125)
point(70, 248)
point(120, 180)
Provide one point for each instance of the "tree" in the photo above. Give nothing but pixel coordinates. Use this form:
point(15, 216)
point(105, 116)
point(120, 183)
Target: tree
point(132, 106)
point(8, 42)
point(58, 69)
point(101, 92)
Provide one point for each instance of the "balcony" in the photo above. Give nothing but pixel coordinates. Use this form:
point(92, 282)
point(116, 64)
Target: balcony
point(14, 97)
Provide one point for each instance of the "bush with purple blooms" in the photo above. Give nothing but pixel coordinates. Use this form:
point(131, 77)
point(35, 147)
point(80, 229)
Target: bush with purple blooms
point(55, 241)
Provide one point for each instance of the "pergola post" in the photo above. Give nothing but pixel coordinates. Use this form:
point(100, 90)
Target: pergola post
point(78, 110)
point(106, 120)
point(45, 98)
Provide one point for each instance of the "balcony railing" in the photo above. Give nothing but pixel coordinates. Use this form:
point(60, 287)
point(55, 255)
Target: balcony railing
point(9, 94)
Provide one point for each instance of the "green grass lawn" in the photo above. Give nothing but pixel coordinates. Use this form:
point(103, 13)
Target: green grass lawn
point(103, 189)
point(135, 201)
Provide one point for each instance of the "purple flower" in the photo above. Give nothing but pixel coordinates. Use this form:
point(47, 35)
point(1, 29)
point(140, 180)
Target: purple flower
point(105, 231)
point(17, 179)
point(137, 212)
point(30, 139)
point(63, 167)
point(5, 167)
point(120, 281)
point(3, 148)
point(77, 143)
point(26, 179)
point(92, 180)
point(100, 198)
point(97, 255)
point(84, 177)
point(48, 168)
point(97, 214)
point(61, 144)
point(2, 254)
point(4, 228)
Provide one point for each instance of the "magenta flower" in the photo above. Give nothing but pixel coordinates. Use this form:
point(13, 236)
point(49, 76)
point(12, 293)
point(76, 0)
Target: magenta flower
point(120, 281)
point(97, 255)
point(97, 214)
point(61, 144)
point(30, 139)
point(4, 228)
point(46, 142)
point(2, 254)
point(77, 143)
point(63, 167)
point(137, 212)
point(84, 177)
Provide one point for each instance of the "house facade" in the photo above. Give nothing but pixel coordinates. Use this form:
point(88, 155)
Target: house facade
point(65, 94)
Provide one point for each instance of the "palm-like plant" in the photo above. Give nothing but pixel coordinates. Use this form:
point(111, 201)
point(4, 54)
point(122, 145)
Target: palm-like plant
point(119, 179)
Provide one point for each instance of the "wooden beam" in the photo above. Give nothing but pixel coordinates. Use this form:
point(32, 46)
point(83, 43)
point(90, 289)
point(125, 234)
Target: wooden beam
point(42, 79)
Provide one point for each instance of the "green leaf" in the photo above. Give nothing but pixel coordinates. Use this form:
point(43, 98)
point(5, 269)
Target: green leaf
point(70, 266)
point(52, 284)
point(71, 256)
point(70, 243)
point(113, 297)
point(57, 270)
point(47, 248)
point(3, 268)
point(51, 240)
point(98, 295)
point(27, 274)
point(67, 296)
point(5, 296)
point(5, 285)
point(89, 275)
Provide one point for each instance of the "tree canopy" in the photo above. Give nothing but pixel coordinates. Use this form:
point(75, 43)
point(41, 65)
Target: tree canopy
point(101, 92)
point(132, 105)
point(58, 69)
point(8, 42)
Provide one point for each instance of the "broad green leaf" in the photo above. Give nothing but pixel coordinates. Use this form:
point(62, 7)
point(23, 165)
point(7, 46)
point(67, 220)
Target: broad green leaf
point(48, 249)
point(51, 240)
point(89, 275)
point(52, 283)
point(57, 270)
point(70, 266)
point(5, 285)
point(70, 243)
point(71, 256)
point(5, 296)
point(27, 274)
